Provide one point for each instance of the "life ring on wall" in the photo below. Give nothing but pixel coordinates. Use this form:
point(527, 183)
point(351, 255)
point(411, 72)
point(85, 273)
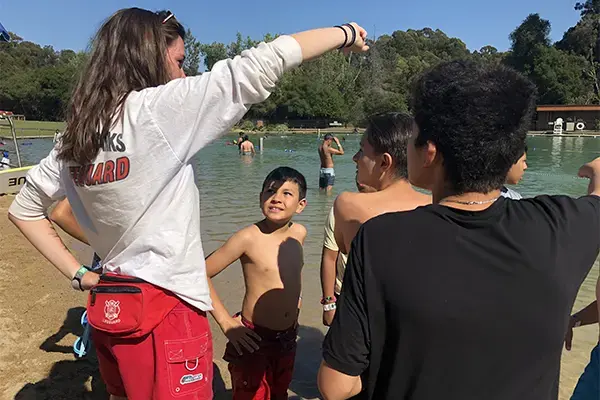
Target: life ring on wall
point(580, 126)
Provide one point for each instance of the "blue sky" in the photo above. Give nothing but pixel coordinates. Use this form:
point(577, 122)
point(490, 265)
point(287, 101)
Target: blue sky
point(68, 24)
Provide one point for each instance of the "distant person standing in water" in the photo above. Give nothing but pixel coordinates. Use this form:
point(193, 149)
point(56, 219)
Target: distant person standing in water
point(246, 147)
point(326, 152)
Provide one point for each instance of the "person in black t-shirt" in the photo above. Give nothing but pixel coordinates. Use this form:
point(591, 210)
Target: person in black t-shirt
point(467, 298)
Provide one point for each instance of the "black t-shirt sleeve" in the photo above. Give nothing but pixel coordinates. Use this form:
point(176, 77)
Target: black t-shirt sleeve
point(347, 345)
point(580, 219)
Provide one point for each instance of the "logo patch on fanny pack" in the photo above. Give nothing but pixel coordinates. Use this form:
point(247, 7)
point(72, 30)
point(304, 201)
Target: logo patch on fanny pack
point(189, 378)
point(111, 312)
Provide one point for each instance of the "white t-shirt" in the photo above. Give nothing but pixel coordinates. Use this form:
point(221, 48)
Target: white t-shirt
point(330, 243)
point(510, 194)
point(142, 216)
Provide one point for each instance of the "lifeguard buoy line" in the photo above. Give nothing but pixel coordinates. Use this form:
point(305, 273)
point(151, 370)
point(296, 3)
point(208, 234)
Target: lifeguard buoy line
point(580, 126)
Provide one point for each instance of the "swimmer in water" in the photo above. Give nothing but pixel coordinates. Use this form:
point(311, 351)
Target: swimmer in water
point(326, 152)
point(247, 148)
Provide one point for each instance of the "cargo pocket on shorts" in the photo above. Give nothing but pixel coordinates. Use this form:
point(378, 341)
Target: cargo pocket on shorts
point(187, 365)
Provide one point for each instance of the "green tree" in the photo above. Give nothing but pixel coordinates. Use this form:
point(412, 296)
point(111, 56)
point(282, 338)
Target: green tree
point(527, 41)
point(191, 64)
point(211, 53)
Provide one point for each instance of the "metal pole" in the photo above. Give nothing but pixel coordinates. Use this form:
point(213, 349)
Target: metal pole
point(262, 144)
point(14, 135)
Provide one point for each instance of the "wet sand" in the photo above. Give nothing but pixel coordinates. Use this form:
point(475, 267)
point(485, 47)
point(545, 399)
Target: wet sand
point(39, 321)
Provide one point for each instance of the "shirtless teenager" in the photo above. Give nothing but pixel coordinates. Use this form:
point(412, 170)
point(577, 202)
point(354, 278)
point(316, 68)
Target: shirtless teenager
point(247, 148)
point(381, 164)
point(326, 152)
point(262, 338)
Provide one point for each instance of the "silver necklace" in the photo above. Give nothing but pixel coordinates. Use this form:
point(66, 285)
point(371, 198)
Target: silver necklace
point(470, 203)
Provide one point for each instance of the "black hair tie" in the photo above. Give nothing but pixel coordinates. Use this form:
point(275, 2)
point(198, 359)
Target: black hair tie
point(353, 34)
point(345, 35)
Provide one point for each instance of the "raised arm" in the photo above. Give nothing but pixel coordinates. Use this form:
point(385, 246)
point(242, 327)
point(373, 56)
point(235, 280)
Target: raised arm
point(591, 171)
point(191, 112)
point(339, 151)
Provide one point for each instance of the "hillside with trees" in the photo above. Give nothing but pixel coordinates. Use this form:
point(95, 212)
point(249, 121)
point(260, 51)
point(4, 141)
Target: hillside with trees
point(36, 81)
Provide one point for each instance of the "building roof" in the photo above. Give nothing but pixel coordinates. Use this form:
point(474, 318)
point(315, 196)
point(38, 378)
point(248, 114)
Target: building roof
point(569, 107)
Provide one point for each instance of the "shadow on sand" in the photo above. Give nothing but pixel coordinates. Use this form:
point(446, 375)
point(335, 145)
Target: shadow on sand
point(68, 379)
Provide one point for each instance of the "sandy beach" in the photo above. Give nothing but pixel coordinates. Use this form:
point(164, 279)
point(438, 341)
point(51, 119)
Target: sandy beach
point(39, 321)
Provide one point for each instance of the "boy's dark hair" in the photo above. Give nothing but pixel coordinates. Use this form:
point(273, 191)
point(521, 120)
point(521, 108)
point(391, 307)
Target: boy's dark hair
point(389, 133)
point(521, 154)
point(246, 137)
point(286, 174)
point(477, 116)
point(328, 136)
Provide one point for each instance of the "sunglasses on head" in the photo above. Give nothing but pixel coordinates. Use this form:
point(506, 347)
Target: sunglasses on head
point(166, 15)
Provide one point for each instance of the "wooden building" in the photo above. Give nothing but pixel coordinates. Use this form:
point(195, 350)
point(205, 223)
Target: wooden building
point(572, 115)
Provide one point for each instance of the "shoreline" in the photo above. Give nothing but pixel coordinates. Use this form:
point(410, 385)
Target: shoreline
point(588, 134)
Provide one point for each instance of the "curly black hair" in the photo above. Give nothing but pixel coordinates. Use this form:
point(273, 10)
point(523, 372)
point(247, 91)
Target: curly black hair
point(477, 116)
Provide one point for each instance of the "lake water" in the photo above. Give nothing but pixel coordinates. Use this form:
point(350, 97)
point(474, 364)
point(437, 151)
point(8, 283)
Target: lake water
point(229, 190)
point(230, 184)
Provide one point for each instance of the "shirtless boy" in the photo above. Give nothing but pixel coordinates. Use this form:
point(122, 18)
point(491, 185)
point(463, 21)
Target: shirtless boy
point(247, 148)
point(262, 338)
point(381, 164)
point(326, 152)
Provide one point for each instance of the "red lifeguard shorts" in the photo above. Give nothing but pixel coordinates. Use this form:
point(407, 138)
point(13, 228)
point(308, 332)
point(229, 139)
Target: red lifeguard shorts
point(173, 361)
point(265, 374)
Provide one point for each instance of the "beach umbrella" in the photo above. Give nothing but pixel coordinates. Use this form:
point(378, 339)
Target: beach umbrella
point(4, 36)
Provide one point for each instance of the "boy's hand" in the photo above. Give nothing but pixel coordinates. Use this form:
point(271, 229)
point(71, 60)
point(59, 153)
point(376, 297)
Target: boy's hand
point(328, 317)
point(569, 337)
point(591, 171)
point(240, 336)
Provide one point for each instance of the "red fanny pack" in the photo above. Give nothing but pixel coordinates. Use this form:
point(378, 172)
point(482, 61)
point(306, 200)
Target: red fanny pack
point(127, 307)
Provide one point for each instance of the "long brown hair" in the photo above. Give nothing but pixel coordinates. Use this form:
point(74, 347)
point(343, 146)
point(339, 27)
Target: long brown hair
point(128, 53)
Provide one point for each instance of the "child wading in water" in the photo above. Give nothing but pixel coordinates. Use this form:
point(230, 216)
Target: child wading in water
point(262, 338)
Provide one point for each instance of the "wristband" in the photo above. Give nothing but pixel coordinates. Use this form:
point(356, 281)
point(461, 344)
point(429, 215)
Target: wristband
point(577, 322)
point(353, 34)
point(345, 35)
point(329, 307)
point(78, 275)
point(328, 299)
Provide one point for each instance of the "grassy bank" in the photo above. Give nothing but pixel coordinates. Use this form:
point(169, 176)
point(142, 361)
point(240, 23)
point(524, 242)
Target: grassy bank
point(31, 128)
